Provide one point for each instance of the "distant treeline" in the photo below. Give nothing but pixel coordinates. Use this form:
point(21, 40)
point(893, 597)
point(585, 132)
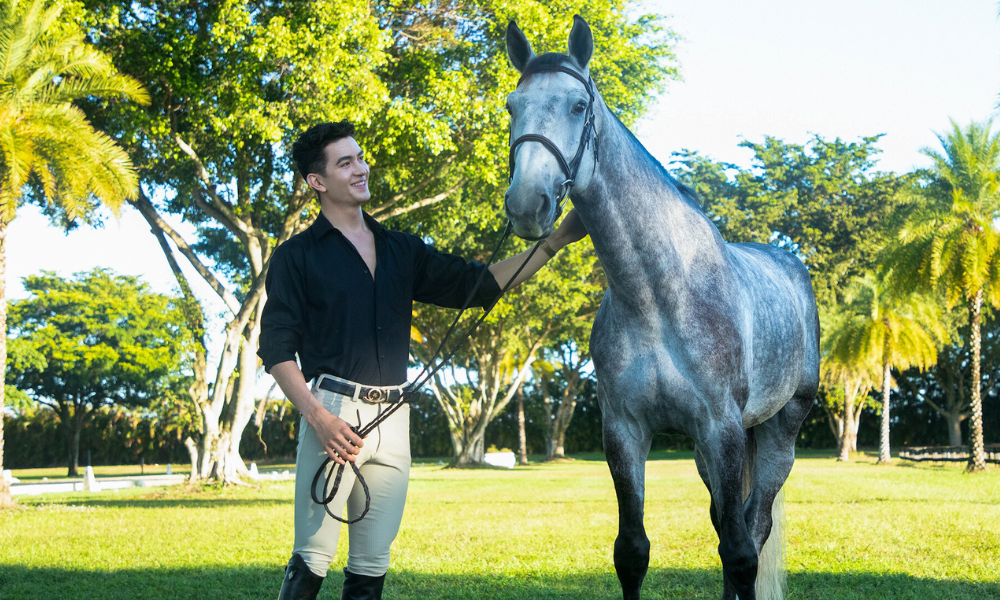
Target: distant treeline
point(118, 437)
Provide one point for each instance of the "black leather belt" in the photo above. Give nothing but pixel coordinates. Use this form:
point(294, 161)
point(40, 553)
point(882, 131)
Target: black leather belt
point(367, 394)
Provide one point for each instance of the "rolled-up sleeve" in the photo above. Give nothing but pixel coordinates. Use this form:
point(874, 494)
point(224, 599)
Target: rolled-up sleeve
point(283, 321)
point(446, 279)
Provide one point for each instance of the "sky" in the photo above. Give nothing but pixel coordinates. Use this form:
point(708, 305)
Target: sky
point(788, 69)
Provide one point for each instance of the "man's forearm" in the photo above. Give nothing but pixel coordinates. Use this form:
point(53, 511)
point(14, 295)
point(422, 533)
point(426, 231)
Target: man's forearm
point(335, 435)
point(291, 381)
point(504, 270)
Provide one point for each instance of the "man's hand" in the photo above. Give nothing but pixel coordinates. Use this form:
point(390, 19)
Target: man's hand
point(570, 230)
point(336, 436)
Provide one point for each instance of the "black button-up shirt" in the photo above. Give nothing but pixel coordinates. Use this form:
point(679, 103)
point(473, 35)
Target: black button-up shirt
point(324, 305)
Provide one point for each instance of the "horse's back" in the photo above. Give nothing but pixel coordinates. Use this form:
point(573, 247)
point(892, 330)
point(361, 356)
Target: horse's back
point(781, 326)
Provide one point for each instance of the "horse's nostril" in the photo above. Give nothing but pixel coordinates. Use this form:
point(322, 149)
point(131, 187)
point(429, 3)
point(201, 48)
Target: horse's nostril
point(544, 204)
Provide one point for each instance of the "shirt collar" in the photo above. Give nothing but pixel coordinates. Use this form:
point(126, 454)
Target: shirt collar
point(321, 226)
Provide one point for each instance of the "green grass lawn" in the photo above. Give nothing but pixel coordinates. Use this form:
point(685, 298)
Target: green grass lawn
point(854, 531)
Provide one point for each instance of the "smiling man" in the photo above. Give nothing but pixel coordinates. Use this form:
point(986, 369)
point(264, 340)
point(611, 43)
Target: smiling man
point(340, 298)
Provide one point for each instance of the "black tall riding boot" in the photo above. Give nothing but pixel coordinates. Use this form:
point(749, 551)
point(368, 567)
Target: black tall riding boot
point(362, 587)
point(300, 583)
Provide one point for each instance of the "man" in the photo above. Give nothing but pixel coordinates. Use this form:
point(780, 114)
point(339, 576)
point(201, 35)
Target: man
point(340, 296)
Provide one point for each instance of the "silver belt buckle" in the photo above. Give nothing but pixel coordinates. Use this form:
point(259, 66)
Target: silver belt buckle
point(374, 396)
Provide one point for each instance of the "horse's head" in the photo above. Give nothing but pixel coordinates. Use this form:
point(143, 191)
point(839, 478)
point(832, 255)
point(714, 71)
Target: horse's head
point(552, 114)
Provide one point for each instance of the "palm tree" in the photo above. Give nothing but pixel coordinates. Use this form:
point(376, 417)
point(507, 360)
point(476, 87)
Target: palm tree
point(845, 379)
point(46, 144)
point(883, 331)
point(950, 244)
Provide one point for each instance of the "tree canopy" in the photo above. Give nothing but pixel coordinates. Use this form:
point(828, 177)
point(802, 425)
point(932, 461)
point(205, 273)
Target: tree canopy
point(825, 202)
point(94, 340)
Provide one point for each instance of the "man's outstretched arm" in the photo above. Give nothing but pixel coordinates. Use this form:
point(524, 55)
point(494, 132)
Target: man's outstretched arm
point(570, 230)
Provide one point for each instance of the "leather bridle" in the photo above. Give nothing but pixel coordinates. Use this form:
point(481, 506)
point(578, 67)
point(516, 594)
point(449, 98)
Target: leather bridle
point(569, 168)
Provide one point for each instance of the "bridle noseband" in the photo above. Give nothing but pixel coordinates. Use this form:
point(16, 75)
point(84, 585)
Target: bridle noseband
point(589, 129)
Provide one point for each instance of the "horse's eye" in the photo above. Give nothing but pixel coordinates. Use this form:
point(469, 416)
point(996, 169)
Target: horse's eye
point(506, 107)
point(579, 108)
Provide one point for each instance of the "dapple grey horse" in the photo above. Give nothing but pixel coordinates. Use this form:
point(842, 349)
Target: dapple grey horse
point(716, 340)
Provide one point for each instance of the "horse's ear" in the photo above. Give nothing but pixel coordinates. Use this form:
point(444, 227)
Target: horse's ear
point(518, 47)
point(581, 42)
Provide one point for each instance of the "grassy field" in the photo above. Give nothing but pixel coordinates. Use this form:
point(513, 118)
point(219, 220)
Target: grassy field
point(855, 531)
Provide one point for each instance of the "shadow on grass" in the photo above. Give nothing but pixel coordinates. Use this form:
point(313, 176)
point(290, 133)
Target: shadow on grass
point(263, 582)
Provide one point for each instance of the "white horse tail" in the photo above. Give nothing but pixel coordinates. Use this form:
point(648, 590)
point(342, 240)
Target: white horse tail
point(771, 561)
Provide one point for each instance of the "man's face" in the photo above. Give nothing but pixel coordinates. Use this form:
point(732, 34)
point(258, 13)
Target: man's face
point(346, 178)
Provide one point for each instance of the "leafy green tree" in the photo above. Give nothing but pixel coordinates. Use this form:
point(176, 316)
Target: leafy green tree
point(96, 340)
point(949, 242)
point(825, 202)
point(233, 84)
point(46, 142)
point(883, 331)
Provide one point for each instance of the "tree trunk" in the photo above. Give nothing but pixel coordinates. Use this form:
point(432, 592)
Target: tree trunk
point(954, 429)
point(522, 440)
point(244, 397)
point(977, 458)
point(467, 420)
point(844, 427)
point(883, 447)
point(471, 451)
point(564, 414)
point(74, 442)
point(192, 449)
point(6, 498)
point(853, 426)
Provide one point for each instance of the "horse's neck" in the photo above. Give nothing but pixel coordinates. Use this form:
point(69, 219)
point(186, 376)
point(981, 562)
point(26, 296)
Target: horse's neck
point(646, 233)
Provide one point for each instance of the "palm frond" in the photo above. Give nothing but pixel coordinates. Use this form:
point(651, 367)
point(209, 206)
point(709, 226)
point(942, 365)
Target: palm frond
point(43, 69)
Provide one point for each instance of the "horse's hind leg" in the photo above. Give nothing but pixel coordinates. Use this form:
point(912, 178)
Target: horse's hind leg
point(728, 591)
point(775, 455)
point(723, 450)
point(626, 445)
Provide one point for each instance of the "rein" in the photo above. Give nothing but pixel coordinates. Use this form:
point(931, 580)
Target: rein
point(336, 473)
point(569, 168)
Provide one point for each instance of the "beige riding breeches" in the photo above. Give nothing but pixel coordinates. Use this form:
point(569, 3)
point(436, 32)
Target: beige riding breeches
point(384, 462)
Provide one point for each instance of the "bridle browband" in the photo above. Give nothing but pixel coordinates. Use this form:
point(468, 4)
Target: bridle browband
point(589, 129)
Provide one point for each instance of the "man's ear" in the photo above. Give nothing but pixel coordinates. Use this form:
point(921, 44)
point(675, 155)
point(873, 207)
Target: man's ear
point(518, 47)
point(581, 42)
point(314, 181)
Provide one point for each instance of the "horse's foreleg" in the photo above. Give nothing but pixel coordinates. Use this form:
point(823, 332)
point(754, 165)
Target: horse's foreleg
point(626, 446)
point(724, 451)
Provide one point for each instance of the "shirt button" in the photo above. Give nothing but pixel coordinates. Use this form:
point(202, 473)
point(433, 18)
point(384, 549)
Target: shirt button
point(380, 328)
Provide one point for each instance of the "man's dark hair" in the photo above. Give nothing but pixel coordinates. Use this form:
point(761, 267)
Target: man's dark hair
point(308, 151)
